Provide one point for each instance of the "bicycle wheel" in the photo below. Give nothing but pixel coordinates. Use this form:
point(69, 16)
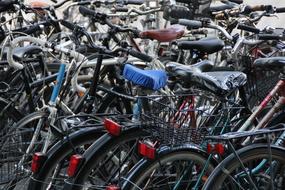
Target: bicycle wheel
point(258, 171)
point(9, 115)
point(107, 160)
point(52, 172)
point(13, 149)
point(181, 167)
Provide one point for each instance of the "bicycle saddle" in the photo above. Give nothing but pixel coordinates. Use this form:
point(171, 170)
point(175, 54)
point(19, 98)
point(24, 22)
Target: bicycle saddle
point(164, 35)
point(38, 4)
point(151, 79)
point(270, 62)
point(200, 75)
point(206, 45)
point(178, 69)
point(218, 82)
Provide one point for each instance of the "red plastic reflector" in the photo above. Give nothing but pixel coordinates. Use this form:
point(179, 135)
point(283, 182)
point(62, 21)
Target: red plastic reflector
point(210, 148)
point(38, 160)
point(146, 150)
point(74, 162)
point(112, 127)
point(112, 187)
point(219, 148)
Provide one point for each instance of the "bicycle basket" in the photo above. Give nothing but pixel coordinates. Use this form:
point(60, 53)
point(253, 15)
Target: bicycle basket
point(259, 84)
point(177, 120)
point(14, 142)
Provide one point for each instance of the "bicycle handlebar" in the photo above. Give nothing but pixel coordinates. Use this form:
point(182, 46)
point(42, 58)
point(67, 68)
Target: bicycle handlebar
point(14, 43)
point(199, 24)
point(68, 24)
point(248, 28)
point(269, 37)
point(190, 23)
point(280, 10)
point(133, 2)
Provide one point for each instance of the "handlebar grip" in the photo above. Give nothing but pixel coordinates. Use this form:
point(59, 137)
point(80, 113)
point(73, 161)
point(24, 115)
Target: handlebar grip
point(176, 12)
point(140, 55)
point(134, 2)
point(269, 37)
point(250, 9)
point(190, 23)
point(84, 2)
point(258, 8)
point(86, 12)
point(68, 24)
point(280, 10)
point(121, 9)
point(237, 1)
point(248, 28)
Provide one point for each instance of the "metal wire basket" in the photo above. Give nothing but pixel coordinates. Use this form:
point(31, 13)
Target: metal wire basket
point(175, 120)
point(259, 81)
point(13, 145)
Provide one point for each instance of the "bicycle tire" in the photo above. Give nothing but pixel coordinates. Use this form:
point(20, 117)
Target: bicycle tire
point(97, 152)
point(255, 152)
point(60, 151)
point(172, 157)
point(14, 143)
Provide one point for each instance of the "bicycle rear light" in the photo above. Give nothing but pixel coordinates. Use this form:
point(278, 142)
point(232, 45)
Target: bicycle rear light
point(112, 127)
point(217, 148)
point(75, 161)
point(38, 159)
point(112, 187)
point(146, 150)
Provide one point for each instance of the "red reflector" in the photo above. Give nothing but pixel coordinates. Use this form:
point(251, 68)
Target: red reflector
point(219, 148)
point(210, 148)
point(74, 162)
point(112, 127)
point(146, 150)
point(38, 160)
point(112, 187)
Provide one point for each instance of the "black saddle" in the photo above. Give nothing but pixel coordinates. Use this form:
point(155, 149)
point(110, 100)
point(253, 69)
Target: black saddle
point(205, 45)
point(271, 62)
point(219, 82)
point(200, 75)
point(178, 69)
point(20, 52)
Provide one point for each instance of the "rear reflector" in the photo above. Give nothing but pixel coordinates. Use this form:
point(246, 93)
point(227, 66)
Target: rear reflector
point(217, 148)
point(75, 161)
point(112, 127)
point(38, 159)
point(146, 150)
point(112, 187)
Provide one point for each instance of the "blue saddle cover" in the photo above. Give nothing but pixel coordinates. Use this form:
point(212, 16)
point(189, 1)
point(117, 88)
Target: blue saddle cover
point(152, 79)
